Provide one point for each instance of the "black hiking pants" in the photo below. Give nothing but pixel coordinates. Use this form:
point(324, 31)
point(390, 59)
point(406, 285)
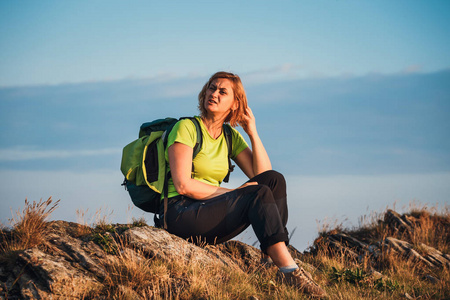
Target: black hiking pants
point(219, 219)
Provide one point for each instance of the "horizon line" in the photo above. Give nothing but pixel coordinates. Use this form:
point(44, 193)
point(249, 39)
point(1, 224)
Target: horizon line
point(273, 74)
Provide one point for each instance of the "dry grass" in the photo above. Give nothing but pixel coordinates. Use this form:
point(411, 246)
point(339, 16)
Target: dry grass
point(130, 274)
point(29, 226)
point(432, 228)
point(400, 277)
point(85, 229)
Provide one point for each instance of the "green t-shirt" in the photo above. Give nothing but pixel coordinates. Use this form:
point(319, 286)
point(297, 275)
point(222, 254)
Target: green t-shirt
point(211, 163)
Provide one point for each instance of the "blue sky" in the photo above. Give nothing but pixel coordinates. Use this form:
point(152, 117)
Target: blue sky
point(51, 42)
point(352, 98)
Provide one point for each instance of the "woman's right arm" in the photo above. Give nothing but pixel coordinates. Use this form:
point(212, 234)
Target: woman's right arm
point(180, 160)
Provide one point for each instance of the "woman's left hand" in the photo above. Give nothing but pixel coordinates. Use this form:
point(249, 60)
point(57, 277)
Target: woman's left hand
point(248, 122)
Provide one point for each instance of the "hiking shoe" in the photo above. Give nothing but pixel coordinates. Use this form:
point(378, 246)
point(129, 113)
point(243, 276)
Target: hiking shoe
point(304, 282)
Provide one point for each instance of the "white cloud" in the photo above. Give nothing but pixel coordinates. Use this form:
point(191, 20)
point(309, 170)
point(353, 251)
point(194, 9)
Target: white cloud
point(22, 153)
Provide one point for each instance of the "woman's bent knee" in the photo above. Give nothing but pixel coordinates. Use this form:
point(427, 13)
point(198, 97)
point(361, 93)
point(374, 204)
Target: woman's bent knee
point(272, 174)
point(278, 177)
point(273, 179)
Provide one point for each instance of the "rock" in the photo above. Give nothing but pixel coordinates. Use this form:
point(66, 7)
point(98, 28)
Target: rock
point(407, 296)
point(246, 256)
point(431, 279)
point(436, 257)
point(75, 261)
point(69, 264)
point(155, 242)
point(375, 274)
point(404, 249)
point(396, 222)
point(433, 257)
point(40, 275)
point(372, 249)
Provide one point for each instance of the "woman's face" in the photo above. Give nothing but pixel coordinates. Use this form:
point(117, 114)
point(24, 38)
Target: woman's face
point(219, 97)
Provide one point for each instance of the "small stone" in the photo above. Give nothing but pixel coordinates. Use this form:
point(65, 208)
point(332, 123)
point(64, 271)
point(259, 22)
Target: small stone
point(431, 279)
point(407, 296)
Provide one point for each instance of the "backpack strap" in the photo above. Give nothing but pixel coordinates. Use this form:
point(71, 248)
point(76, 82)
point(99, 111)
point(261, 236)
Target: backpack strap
point(166, 198)
point(229, 138)
point(198, 144)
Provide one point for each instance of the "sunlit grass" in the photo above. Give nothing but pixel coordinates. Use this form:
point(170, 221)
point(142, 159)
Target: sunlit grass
point(400, 276)
point(131, 274)
point(29, 226)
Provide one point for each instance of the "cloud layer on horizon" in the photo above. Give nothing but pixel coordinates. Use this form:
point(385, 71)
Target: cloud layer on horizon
point(344, 125)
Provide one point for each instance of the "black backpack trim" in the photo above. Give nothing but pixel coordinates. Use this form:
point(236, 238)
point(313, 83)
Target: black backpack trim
point(229, 138)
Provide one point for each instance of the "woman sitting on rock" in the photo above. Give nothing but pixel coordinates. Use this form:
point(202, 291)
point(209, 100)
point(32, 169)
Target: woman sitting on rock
point(201, 210)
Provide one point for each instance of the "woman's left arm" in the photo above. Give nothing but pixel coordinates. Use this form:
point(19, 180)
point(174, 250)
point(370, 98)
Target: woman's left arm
point(257, 161)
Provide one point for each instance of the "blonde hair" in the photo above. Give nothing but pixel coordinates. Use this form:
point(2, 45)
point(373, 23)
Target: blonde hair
point(235, 116)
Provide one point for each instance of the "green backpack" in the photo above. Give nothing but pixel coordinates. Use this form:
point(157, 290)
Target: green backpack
point(144, 164)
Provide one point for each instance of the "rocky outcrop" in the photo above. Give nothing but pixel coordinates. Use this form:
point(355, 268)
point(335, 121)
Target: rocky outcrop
point(74, 261)
point(359, 247)
point(70, 263)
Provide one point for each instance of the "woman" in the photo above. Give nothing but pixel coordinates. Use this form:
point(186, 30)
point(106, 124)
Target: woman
point(199, 209)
